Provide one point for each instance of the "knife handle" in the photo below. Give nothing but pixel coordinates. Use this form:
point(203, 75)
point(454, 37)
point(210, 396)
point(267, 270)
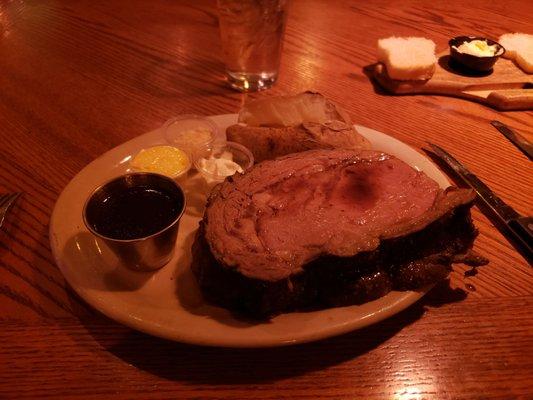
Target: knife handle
point(522, 229)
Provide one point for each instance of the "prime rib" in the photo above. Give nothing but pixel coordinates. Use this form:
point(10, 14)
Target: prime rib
point(326, 228)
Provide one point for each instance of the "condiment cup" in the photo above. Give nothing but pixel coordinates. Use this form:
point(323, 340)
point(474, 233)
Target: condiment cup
point(476, 63)
point(177, 132)
point(146, 253)
point(238, 153)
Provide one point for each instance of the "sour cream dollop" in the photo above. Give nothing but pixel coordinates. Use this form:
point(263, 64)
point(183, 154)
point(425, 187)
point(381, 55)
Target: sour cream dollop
point(220, 167)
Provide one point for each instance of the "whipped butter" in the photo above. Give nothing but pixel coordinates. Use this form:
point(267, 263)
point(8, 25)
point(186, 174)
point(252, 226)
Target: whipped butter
point(478, 48)
point(192, 139)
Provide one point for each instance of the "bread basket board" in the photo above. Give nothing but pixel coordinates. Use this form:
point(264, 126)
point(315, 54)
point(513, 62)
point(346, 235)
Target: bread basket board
point(505, 88)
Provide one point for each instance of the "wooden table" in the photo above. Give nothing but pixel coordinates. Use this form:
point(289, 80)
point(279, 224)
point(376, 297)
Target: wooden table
point(78, 78)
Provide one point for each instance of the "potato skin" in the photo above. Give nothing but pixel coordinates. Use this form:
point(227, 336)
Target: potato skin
point(270, 142)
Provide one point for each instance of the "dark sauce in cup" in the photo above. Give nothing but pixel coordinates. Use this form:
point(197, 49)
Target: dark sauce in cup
point(133, 212)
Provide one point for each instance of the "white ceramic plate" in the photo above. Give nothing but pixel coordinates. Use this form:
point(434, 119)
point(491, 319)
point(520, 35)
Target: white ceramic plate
point(168, 303)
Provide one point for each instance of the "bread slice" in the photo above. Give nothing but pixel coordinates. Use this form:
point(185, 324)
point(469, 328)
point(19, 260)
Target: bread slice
point(524, 59)
point(515, 42)
point(519, 47)
point(408, 58)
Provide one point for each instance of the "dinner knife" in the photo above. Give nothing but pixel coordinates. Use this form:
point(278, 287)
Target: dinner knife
point(520, 227)
point(518, 140)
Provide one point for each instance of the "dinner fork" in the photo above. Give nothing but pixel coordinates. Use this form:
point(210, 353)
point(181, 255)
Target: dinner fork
point(6, 201)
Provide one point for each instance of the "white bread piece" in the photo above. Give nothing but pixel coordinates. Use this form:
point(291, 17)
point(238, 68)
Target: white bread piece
point(408, 58)
point(516, 43)
point(524, 59)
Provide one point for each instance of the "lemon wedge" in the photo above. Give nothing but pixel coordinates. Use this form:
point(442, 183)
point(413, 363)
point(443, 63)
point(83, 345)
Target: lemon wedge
point(165, 160)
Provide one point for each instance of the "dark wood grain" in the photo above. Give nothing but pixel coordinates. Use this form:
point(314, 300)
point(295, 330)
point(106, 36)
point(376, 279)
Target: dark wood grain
point(79, 78)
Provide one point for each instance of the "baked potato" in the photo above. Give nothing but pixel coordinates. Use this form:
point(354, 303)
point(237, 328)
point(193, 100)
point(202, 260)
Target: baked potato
point(277, 126)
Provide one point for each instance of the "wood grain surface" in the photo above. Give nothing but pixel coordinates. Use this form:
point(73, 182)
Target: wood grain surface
point(80, 77)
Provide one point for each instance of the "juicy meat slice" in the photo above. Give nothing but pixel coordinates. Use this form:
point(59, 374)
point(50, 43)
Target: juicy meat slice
point(327, 227)
point(284, 213)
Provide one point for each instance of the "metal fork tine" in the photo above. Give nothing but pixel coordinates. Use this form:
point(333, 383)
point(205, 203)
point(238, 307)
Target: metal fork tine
point(6, 201)
point(3, 198)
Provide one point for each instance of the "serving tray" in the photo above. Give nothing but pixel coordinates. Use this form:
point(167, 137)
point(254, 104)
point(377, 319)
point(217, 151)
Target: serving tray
point(506, 87)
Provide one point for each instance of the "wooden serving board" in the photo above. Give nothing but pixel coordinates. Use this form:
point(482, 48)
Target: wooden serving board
point(506, 87)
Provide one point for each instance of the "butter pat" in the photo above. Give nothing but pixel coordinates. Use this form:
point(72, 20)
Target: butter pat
point(478, 48)
point(165, 160)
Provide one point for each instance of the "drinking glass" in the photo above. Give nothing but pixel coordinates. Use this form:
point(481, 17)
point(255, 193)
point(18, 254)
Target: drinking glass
point(252, 38)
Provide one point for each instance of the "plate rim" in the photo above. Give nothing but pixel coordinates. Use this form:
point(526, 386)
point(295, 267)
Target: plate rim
point(407, 299)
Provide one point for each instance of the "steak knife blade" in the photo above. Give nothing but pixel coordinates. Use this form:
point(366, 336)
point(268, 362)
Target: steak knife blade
point(519, 226)
point(518, 140)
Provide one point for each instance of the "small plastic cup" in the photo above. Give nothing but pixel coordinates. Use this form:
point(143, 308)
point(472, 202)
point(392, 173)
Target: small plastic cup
point(212, 160)
point(190, 132)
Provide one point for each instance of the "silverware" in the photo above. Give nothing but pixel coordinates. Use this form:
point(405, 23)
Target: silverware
point(520, 227)
point(6, 201)
point(518, 140)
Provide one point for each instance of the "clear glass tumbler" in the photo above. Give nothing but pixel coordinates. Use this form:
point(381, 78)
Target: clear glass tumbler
point(252, 38)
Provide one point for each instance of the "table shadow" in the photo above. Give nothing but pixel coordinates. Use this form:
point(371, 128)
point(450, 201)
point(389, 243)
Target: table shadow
point(191, 298)
point(368, 70)
point(115, 276)
point(449, 64)
point(445, 62)
point(227, 366)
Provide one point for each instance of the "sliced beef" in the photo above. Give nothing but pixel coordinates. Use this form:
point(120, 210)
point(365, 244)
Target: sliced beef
point(325, 228)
